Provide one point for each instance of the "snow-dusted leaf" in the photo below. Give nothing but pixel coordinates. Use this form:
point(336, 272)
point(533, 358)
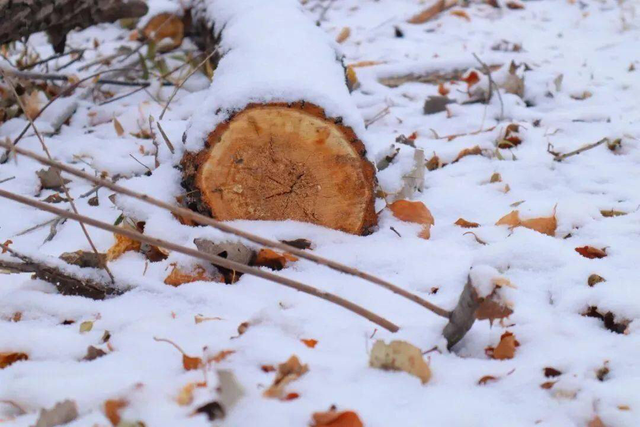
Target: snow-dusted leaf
point(62, 413)
point(466, 224)
point(9, 358)
point(334, 418)
point(400, 356)
point(591, 252)
point(112, 409)
point(288, 371)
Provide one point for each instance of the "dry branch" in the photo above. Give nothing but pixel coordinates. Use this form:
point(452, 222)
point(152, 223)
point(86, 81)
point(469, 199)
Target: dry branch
point(219, 261)
point(21, 18)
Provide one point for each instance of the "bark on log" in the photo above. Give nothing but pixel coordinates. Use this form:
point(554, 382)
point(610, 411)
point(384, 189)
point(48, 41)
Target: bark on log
point(21, 18)
point(272, 143)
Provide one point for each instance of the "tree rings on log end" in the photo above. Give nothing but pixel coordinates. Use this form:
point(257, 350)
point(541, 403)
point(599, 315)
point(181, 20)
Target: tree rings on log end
point(279, 162)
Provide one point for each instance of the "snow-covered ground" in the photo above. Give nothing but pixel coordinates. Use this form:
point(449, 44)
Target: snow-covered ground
point(581, 84)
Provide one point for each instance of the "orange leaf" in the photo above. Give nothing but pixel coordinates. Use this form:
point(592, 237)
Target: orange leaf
point(471, 78)
point(334, 418)
point(7, 243)
point(272, 259)
point(10, 358)
point(123, 244)
point(512, 219)
point(344, 34)
point(442, 90)
point(415, 212)
point(289, 371)
point(514, 5)
point(112, 410)
point(461, 14)
point(510, 137)
point(506, 348)
point(179, 277)
point(221, 356)
point(311, 343)
point(544, 225)
point(474, 151)
point(291, 396)
point(487, 379)
point(591, 252)
point(267, 368)
point(191, 363)
point(596, 422)
point(165, 26)
point(466, 224)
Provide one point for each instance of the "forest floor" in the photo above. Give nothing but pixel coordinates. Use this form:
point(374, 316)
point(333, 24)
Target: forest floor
point(567, 73)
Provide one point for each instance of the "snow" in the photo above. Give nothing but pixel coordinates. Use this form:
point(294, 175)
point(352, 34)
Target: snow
point(591, 43)
point(271, 52)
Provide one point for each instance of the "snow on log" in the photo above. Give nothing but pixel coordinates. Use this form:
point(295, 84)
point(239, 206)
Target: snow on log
point(277, 137)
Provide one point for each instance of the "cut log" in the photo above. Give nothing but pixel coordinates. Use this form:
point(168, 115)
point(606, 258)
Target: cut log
point(277, 138)
point(58, 17)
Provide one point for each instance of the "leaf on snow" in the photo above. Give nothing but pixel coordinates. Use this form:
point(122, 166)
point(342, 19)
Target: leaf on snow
point(272, 259)
point(436, 104)
point(112, 409)
point(311, 343)
point(415, 212)
point(474, 151)
point(179, 277)
point(289, 371)
point(334, 418)
point(591, 252)
point(505, 349)
point(50, 179)
point(466, 224)
point(62, 413)
point(594, 279)
point(10, 358)
point(544, 225)
point(343, 35)
point(400, 356)
point(237, 252)
point(85, 259)
point(118, 127)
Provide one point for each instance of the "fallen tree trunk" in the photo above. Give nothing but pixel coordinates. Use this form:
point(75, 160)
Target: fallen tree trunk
point(277, 137)
point(21, 18)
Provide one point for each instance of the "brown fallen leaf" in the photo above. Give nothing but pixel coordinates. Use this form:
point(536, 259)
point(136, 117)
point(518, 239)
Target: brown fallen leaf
point(591, 252)
point(611, 213)
point(62, 413)
point(352, 78)
point(594, 279)
point(466, 224)
point(166, 29)
point(50, 179)
point(544, 225)
point(85, 259)
point(461, 14)
point(10, 358)
point(596, 422)
point(343, 35)
point(118, 127)
point(31, 104)
point(311, 343)
point(487, 379)
point(491, 310)
point(272, 259)
point(179, 277)
point(432, 11)
point(123, 244)
point(400, 356)
point(510, 137)
point(112, 410)
point(415, 212)
point(512, 219)
point(506, 348)
point(198, 318)
point(288, 371)
point(333, 418)
point(433, 163)
point(268, 368)
point(496, 177)
point(191, 363)
point(548, 385)
point(551, 372)
point(443, 90)
point(93, 353)
point(474, 151)
point(514, 5)
point(220, 356)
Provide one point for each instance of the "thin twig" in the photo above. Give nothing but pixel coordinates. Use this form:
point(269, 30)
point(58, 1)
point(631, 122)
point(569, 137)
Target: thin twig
point(139, 162)
point(492, 84)
point(51, 58)
point(7, 179)
point(179, 85)
point(63, 77)
point(214, 259)
point(201, 219)
point(561, 157)
point(46, 150)
point(166, 139)
point(35, 227)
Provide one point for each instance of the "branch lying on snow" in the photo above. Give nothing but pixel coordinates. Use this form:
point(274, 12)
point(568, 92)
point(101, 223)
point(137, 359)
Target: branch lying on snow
point(560, 157)
point(201, 219)
point(66, 78)
point(66, 283)
point(223, 262)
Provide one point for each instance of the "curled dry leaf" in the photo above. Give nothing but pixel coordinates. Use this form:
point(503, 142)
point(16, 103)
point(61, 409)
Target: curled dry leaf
point(179, 277)
point(544, 225)
point(510, 137)
point(198, 318)
point(466, 224)
point(112, 409)
point(123, 244)
point(591, 252)
point(50, 179)
point(289, 371)
point(10, 358)
point(415, 212)
point(487, 379)
point(118, 127)
point(433, 163)
point(220, 356)
point(594, 279)
point(272, 259)
point(400, 356)
point(551, 372)
point(461, 14)
point(62, 413)
point(474, 151)
point(311, 343)
point(343, 35)
point(505, 349)
point(611, 213)
point(333, 418)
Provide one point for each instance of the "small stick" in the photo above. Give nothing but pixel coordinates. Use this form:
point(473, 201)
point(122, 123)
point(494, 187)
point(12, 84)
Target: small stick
point(492, 84)
point(63, 77)
point(166, 139)
point(201, 219)
point(561, 157)
point(179, 85)
point(214, 259)
point(7, 179)
point(64, 186)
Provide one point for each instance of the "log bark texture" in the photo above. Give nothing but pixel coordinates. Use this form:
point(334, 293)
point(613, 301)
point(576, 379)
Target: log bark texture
point(21, 18)
point(279, 159)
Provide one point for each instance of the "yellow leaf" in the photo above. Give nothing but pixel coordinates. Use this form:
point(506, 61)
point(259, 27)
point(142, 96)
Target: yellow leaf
point(352, 78)
point(86, 326)
point(461, 14)
point(179, 277)
point(344, 34)
point(400, 356)
point(123, 244)
point(545, 225)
